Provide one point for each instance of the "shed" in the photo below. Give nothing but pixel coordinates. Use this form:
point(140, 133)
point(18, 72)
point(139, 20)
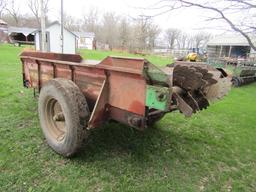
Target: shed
point(3, 31)
point(85, 40)
point(21, 35)
point(234, 46)
point(53, 39)
point(3, 25)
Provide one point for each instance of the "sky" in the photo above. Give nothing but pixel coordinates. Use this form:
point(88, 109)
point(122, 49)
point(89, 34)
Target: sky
point(188, 20)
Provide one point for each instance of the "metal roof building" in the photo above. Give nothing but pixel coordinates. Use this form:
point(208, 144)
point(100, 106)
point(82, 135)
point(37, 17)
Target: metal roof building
point(84, 34)
point(24, 30)
point(3, 31)
point(234, 46)
point(21, 35)
point(2, 22)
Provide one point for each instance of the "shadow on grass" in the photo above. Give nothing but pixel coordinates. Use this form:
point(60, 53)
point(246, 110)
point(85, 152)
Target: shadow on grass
point(115, 140)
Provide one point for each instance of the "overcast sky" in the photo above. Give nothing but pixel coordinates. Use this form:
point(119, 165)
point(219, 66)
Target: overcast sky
point(190, 20)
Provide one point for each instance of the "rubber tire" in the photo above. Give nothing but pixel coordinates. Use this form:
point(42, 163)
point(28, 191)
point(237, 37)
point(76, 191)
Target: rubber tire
point(236, 82)
point(75, 110)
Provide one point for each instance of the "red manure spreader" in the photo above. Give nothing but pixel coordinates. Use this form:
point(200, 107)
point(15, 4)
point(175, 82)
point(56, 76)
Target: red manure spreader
point(77, 95)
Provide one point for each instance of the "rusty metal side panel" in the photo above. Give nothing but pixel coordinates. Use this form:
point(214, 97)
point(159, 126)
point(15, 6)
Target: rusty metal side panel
point(55, 56)
point(122, 64)
point(89, 80)
point(99, 114)
point(46, 72)
point(127, 92)
point(37, 73)
point(126, 88)
point(31, 72)
point(62, 71)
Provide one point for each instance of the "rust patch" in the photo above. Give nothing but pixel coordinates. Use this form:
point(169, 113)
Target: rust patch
point(136, 106)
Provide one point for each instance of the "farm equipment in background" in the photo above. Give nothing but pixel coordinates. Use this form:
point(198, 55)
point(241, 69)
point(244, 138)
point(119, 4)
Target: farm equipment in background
point(195, 55)
point(79, 95)
point(244, 73)
point(241, 70)
point(192, 57)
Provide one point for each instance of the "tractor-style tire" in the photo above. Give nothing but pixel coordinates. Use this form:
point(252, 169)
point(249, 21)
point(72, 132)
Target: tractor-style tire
point(63, 114)
point(236, 82)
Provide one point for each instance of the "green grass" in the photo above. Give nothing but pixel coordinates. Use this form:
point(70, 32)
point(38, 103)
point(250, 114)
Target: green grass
point(215, 150)
point(99, 55)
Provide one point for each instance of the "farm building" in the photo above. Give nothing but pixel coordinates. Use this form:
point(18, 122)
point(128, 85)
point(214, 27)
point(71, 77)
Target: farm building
point(21, 35)
point(85, 40)
point(53, 39)
point(3, 25)
point(3, 31)
point(233, 46)
point(16, 35)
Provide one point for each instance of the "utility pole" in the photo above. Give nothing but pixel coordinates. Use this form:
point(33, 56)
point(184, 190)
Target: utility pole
point(43, 33)
point(62, 28)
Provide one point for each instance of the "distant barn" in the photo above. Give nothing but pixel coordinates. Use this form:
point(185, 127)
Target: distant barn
point(232, 46)
point(21, 35)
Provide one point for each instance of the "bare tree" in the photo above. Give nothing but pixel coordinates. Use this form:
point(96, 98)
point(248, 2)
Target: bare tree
point(13, 9)
point(3, 4)
point(124, 33)
point(153, 32)
point(34, 6)
point(109, 29)
point(144, 32)
point(140, 32)
point(71, 23)
point(171, 36)
point(189, 42)
point(223, 9)
point(24, 20)
point(91, 21)
point(201, 39)
point(182, 40)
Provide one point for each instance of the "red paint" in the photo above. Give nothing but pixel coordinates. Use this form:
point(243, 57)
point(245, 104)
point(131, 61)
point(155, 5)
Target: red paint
point(137, 106)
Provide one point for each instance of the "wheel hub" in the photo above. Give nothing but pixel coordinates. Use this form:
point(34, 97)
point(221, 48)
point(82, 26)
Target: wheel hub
point(55, 119)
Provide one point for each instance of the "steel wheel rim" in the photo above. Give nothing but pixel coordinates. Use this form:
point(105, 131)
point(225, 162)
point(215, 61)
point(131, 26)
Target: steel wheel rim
point(56, 128)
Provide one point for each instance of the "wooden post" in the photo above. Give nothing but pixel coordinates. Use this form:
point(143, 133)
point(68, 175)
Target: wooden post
point(230, 49)
point(220, 51)
point(43, 32)
point(62, 28)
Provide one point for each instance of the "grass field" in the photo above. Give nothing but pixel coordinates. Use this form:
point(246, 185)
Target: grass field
point(99, 55)
point(214, 150)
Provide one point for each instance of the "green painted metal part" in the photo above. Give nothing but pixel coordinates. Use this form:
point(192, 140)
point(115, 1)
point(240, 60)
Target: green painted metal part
point(158, 97)
point(156, 75)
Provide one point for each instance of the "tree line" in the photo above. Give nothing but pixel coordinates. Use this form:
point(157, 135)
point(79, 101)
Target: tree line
point(118, 31)
point(237, 15)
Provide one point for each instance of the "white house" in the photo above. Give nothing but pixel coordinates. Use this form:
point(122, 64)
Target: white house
point(53, 39)
point(85, 40)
